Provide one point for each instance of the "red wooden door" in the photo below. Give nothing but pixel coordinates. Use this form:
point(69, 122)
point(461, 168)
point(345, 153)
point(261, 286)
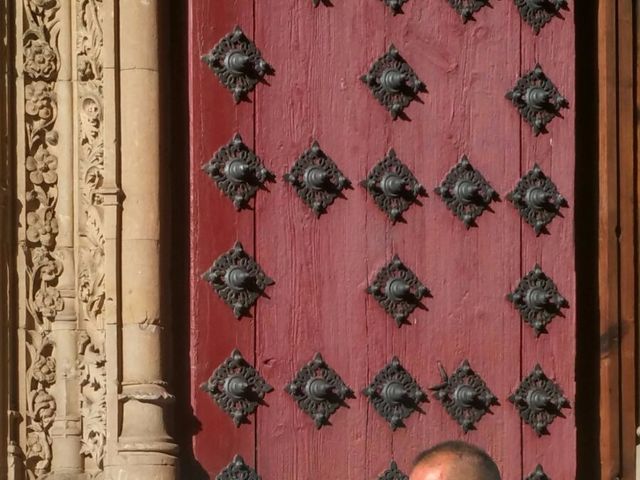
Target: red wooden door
point(322, 266)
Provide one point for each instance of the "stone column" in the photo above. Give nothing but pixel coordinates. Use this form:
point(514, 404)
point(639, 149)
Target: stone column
point(144, 444)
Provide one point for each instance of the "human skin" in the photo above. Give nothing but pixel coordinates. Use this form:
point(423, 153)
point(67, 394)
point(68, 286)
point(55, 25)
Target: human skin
point(446, 467)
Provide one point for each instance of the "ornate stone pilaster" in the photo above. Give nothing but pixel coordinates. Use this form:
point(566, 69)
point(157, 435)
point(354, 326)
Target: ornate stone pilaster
point(89, 98)
point(41, 294)
point(91, 399)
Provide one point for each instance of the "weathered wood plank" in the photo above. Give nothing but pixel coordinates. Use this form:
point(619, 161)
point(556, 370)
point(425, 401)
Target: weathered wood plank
point(627, 237)
point(608, 256)
point(215, 226)
point(318, 303)
point(467, 69)
point(554, 49)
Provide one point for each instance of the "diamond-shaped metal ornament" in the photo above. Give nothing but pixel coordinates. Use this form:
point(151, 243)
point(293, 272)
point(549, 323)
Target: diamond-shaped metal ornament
point(237, 388)
point(393, 473)
point(392, 186)
point(237, 279)
point(318, 390)
point(538, 474)
point(539, 400)
point(238, 63)
point(537, 299)
point(537, 99)
point(537, 199)
point(237, 171)
point(394, 394)
point(317, 179)
point(238, 470)
point(537, 13)
point(398, 290)
point(465, 192)
point(395, 5)
point(464, 395)
point(393, 82)
point(466, 8)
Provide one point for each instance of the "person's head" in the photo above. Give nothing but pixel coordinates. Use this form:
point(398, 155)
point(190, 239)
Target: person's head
point(454, 461)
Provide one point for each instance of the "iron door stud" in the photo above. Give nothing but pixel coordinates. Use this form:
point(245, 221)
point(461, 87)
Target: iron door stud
point(318, 390)
point(237, 279)
point(237, 63)
point(237, 388)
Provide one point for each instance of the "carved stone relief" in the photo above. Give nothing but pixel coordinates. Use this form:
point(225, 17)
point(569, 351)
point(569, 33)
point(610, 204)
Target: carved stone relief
point(71, 380)
point(91, 274)
point(43, 265)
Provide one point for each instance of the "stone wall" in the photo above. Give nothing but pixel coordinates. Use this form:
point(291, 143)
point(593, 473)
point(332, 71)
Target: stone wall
point(90, 398)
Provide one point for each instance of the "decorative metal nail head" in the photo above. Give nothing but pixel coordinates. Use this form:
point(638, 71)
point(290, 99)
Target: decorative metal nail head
point(238, 63)
point(237, 388)
point(237, 171)
point(537, 199)
point(393, 473)
point(237, 279)
point(395, 5)
point(466, 192)
point(538, 474)
point(238, 470)
point(398, 290)
point(317, 179)
point(537, 299)
point(393, 82)
point(318, 390)
point(466, 8)
point(537, 13)
point(539, 400)
point(394, 394)
point(537, 99)
point(464, 395)
point(392, 186)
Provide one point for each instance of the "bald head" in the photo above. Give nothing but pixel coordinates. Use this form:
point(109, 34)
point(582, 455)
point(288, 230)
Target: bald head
point(454, 461)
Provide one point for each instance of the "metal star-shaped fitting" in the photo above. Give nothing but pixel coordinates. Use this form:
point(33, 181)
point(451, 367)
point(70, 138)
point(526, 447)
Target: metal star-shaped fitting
point(393, 473)
point(537, 13)
point(238, 470)
point(237, 279)
point(538, 474)
point(539, 400)
point(464, 395)
point(237, 388)
point(392, 186)
point(537, 299)
point(465, 192)
point(393, 82)
point(317, 179)
point(318, 390)
point(537, 99)
point(398, 290)
point(537, 199)
point(394, 394)
point(466, 8)
point(395, 5)
point(238, 63)
point(237, 171)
